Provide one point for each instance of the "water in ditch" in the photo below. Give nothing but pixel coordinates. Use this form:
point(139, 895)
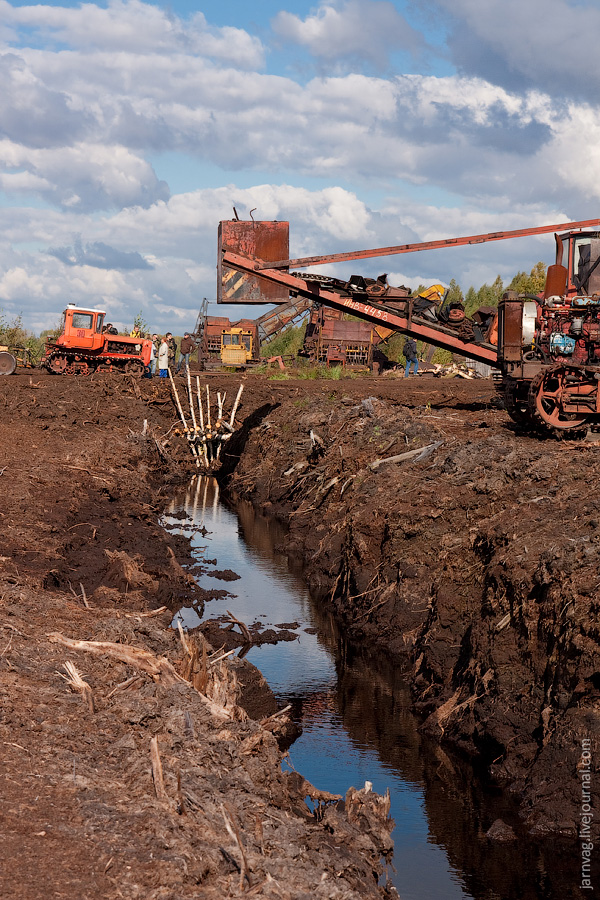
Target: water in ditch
point(357, 725)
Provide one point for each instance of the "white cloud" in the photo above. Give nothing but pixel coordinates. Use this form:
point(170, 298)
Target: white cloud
point(551, 44)
point(133, 27)
point(350, 30)
point(83, 176)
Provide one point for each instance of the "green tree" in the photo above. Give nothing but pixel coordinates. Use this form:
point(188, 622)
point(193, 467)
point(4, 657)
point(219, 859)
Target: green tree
point(533, 283)
point(455, 294)
point(288, 343)
point(140, 324)
point(471, 301)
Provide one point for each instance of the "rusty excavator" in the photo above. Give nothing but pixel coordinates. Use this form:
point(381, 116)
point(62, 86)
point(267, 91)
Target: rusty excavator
point(546, 348)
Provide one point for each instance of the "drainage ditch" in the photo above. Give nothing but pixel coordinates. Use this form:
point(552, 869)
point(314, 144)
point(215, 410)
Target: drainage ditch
point(356, 719)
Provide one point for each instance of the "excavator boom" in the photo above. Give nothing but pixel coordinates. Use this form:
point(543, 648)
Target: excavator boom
point(427, 245)
point(398, 320)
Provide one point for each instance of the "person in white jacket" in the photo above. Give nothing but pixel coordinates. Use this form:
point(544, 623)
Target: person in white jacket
point(163, 358)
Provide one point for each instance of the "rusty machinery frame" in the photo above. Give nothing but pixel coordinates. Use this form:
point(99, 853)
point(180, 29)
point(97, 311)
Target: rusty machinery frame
point(275, 273)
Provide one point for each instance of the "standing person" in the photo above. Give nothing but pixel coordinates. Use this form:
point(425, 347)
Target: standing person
point(172, 344)
point(410, 352)
point(163, 358)
point(154, 353)
point(185, 349)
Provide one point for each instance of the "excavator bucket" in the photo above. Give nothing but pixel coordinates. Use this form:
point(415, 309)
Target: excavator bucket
point(264, 241)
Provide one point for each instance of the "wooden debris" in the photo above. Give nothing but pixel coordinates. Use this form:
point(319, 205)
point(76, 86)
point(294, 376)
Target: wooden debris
point(75, 681)
point(243, 628)
point(157, 772)
point(280, 712)
point(234, 833)
point(418, 454)
point(204, 438)
point(84, 596)
point(159, 668)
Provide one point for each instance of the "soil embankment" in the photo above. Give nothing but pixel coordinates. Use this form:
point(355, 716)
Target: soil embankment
point(147, 778)
point(476, 561)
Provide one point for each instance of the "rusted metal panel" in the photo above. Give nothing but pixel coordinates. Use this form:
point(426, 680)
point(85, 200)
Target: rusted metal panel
point(511, 327)
point(259, 242)
point(346, 331)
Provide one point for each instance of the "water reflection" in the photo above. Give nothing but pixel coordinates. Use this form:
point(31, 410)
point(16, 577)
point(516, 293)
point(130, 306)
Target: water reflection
point(357, 725)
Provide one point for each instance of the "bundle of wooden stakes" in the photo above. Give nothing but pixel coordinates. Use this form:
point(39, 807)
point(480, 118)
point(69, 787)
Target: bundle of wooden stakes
point(204, 438)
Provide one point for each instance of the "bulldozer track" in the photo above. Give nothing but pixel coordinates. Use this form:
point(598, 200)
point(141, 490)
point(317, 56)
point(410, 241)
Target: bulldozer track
point(87, 363)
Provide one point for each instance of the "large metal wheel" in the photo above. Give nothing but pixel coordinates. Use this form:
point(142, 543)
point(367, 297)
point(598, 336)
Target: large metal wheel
point(58, 365)
point(546, 407)
point(134, 367)
point(8, 363)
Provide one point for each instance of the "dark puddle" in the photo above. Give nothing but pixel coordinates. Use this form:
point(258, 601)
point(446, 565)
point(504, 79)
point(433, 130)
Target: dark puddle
point(354, 710)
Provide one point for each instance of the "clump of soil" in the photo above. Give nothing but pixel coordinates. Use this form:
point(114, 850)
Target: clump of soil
point(220, 632)
point(223, 574)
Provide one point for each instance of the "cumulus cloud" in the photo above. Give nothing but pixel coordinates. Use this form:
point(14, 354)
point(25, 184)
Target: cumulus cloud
point(100, 256)
point(177, 238)
point(132, 27)
point(82, 176)
point(50, 120)
point(546, 44)
point(351, 31)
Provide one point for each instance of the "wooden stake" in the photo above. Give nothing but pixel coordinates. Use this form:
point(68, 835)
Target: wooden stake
point(205, 451)
point(235, 405)
point(183, 419)
point(191, 399)
point(208, 409)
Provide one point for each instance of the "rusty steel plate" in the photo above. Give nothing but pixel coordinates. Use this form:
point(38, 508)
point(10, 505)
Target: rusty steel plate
point(264, 241)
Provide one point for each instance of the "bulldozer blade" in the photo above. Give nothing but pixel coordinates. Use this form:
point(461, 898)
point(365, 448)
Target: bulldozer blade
point(8, 363)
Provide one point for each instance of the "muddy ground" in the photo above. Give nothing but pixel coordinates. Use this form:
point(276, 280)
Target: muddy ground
point(135, 761)
point(474, 565)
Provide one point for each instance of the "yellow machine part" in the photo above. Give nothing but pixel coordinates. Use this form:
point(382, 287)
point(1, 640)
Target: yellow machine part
point(435, 292)
point(383, 332)
point(234, 356)
point(236, 347)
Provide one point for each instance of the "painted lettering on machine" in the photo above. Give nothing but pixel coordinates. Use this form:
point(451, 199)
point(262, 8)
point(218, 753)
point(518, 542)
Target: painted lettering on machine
point(367, 310)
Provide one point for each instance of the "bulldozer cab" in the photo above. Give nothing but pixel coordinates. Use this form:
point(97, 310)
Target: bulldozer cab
point(577, 263)
point(82, 328)
point(236, 346)
point(585, 263)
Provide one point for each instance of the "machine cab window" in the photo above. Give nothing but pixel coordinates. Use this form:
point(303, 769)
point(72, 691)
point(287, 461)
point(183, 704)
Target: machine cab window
point(585, 263)
point(83, 320)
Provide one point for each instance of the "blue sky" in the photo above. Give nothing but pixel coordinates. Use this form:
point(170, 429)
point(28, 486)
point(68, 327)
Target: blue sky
point(129, 129)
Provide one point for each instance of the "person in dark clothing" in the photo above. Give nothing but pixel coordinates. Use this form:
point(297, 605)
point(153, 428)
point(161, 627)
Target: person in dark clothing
point(410, 353)
point(172, 349)
point(187, 345)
